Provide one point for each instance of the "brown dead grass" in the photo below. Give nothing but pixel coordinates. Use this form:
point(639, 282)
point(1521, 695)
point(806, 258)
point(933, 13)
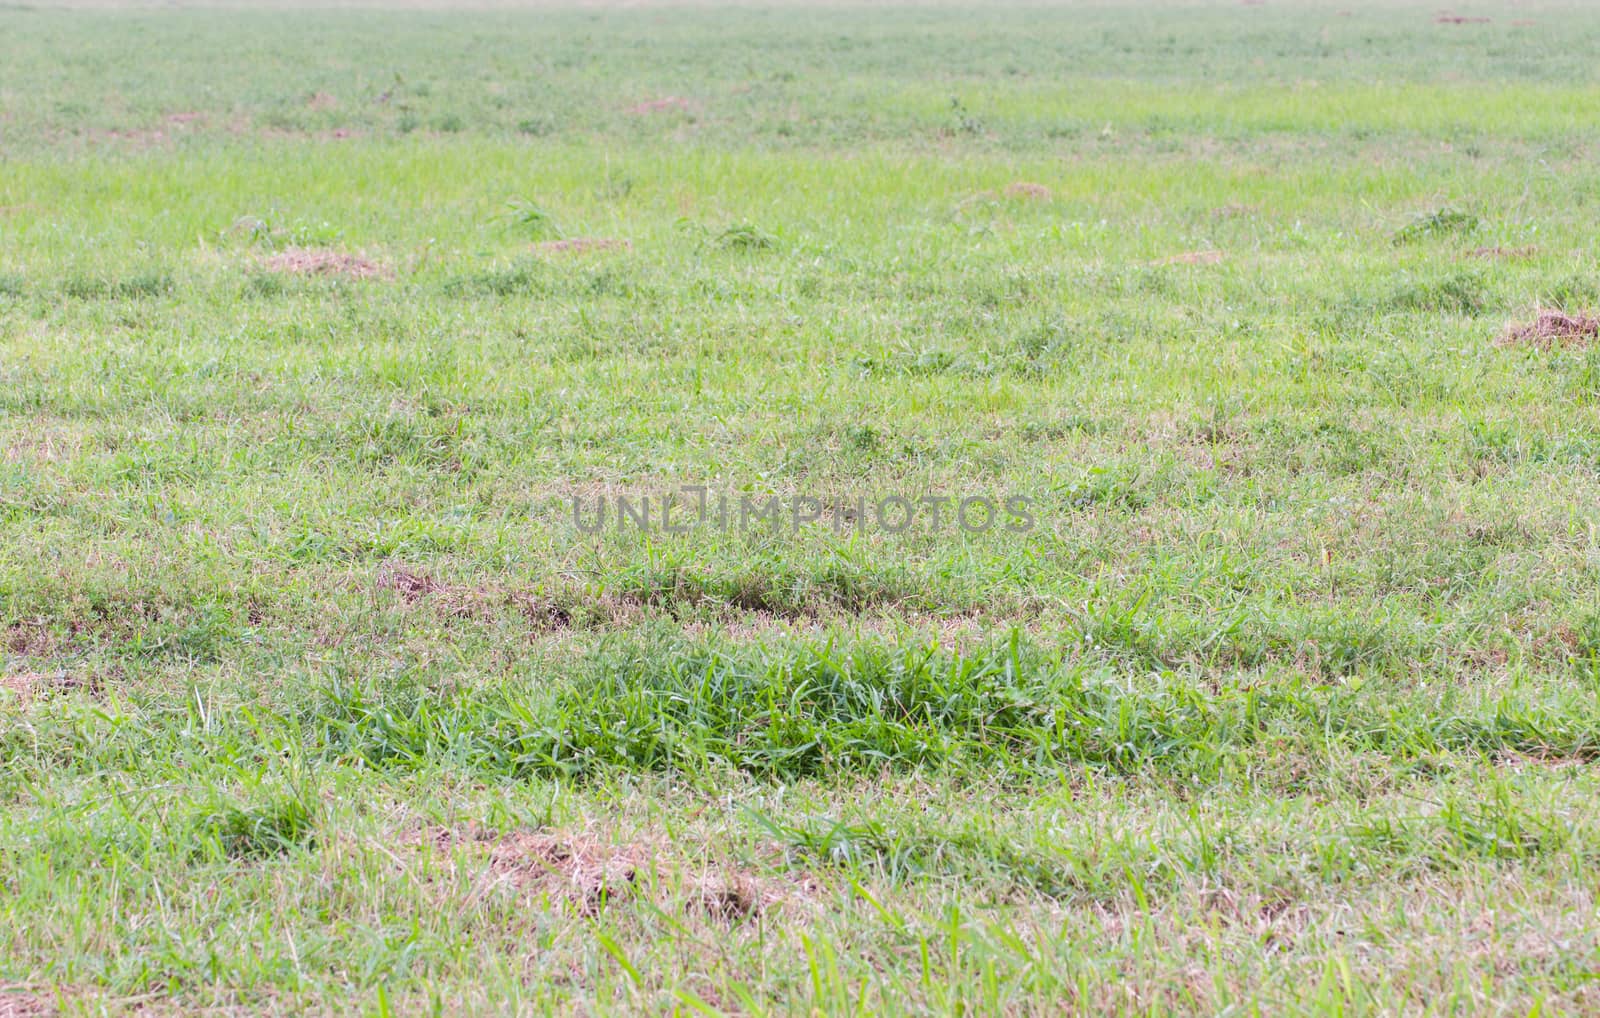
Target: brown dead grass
point(586, 874)
point(1452, 18)
point(1031, 192)
point(132, 137)
point(729, 897)
point(582, 245)
point(1505, 253)
point(565, 605)
point(321, 101)
point(24, 684)
point(411, 586)
point(955, 632)
point(285, 134)
point(28, 685)
point(1191, 258)
point(25, 1005)
point(41, 441)
point(457, 600)
point(303, 261)
point(29, 638)
point(1552, 328)
point(1234, 211)
point(665, 104)
point(467, 601)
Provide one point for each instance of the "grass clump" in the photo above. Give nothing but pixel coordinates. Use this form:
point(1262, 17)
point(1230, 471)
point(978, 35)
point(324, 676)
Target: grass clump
point(1440, 222)
point(746, 237)
point(140, 285)
point(281, 825)
point(825, 712)
point(1459, 293)
point(532, 220)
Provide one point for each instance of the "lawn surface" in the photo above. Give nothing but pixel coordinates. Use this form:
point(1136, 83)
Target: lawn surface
point(1282, 696)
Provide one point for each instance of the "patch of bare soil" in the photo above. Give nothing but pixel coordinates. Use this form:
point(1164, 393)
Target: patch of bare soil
point(133, 136)
point(411, 586)
point(1233, 211)
point(1512, 760)
point(729, 898)
point(24, 684)
point(460, 601)
point(1032, 192)
point(544, 614)
point(321, 101)
point(464, 601)
point(285, 134)
point(956, 632)
point(587, 874)
point(24, 1005)
point(1191, 258)
point(665, 104)
point(305, 261)
point(748, 616)
point(582, 245)
point(1552, 328)
point(29, 639)
point(1506, 253)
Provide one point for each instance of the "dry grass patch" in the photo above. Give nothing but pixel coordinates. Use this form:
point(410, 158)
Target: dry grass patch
point(665, 104)
point(14, 1004)
point(960, 632)
point(302, 261)
point(1504, 253)
point(1032, 192)
point(582, 245)
point(585, 874)
point(40, 441)
point(1191, 258)
point(1234, 210)
point(23, 685)
point(411, 586)
point(1552, 328)
point(29, 638)
point(469, 601)
point(457, 600)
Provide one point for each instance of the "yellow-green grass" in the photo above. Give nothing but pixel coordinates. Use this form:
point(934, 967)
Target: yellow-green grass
point(315, 699)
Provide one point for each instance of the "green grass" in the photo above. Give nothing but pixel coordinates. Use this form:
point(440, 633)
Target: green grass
point(313, 698)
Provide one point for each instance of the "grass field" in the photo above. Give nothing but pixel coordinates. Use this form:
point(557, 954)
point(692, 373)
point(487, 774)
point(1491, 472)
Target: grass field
point(317, 698)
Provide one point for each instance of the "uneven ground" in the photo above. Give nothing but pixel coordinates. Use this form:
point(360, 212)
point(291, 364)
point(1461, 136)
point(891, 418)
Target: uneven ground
point(315, 699)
